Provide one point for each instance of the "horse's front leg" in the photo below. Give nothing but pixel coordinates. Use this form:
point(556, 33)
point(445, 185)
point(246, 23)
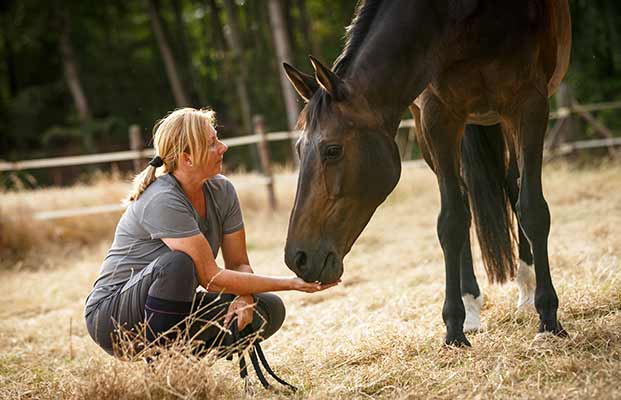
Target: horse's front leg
point(471, 295)
point(443, 131)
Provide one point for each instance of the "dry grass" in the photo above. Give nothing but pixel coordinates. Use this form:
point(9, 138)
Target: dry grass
point(27, 243)
point(377, 335)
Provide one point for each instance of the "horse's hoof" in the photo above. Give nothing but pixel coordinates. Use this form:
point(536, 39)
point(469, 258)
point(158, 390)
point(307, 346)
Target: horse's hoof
point(472, 323)
point(560, 331)
point(556, 330)
point(457, 341)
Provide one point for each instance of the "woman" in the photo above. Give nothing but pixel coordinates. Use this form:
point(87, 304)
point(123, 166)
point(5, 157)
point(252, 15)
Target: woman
point(166, 243)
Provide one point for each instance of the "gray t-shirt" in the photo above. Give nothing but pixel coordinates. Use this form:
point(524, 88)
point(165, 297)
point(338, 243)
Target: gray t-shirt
point(163, 211)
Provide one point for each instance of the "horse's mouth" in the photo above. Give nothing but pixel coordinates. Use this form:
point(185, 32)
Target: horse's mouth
point(332, 269)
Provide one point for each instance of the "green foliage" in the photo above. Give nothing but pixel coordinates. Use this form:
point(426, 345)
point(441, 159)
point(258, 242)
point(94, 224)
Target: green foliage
point(595, 70)
point(84, 135)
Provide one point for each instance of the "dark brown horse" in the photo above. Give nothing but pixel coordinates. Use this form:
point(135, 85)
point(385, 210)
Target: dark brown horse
point(489, 64)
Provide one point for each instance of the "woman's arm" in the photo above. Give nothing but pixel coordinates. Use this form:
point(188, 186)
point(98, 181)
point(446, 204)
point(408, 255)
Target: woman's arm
point(234, 251)
point(240, 283)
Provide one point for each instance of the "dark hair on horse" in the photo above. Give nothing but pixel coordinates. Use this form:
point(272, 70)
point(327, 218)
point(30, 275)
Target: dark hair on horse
point(366, 10)
point(317, 105)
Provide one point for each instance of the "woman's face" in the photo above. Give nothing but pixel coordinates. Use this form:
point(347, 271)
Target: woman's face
point(213, 166)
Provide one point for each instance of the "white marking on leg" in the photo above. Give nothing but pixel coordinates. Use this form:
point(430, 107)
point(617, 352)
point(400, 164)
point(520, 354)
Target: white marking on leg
point(472, 323)
point(526, 284)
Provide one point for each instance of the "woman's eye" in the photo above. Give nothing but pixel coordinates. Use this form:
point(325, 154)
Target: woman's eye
point(333, 152)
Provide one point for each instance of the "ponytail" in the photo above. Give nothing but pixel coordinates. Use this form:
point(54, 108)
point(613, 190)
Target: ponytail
point(140, 183)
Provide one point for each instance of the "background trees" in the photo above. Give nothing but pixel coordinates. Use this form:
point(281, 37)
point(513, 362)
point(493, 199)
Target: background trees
point(75, 75)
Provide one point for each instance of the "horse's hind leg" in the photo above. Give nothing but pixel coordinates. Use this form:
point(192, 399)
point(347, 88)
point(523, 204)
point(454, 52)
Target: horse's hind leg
point(470, 293)
point(529, 122)
point(443, 132)
point(525, 278)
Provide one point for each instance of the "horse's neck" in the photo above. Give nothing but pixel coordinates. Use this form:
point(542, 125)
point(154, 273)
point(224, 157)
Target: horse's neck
point(393, 66)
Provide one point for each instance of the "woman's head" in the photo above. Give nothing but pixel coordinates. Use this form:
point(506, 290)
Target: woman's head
point(185, 140)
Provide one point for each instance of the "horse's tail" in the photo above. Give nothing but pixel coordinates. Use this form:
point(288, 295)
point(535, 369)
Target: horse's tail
point(484, 166)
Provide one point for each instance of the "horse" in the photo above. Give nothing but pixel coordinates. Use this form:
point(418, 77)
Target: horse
point(476, 75)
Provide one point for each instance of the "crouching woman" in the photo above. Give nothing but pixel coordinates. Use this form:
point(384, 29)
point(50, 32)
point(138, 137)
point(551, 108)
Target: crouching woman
point(166, 242)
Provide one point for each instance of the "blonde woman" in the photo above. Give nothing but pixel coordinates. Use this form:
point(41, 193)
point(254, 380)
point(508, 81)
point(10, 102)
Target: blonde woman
point(167, 240)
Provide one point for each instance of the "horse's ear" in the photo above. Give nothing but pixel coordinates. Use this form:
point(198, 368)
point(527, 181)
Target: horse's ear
point(328, 79)
point(304, 84)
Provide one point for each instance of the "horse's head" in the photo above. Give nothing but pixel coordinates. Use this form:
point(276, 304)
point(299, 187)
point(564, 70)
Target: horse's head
point(349, 163)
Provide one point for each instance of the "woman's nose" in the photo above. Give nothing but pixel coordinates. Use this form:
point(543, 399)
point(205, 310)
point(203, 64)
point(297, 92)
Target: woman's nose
point(223, 147)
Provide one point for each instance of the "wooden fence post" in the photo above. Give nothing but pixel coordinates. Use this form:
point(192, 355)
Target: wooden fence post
point(264, 154)
point(136, 144)
point(565, 127)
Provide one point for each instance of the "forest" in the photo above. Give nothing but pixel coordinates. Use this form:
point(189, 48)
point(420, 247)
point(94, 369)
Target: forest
point(76, 74)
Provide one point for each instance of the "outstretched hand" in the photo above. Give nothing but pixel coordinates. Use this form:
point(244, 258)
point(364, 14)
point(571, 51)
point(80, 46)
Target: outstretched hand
point(310, 287)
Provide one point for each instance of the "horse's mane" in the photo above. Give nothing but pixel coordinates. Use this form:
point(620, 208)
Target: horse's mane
point(366, 10)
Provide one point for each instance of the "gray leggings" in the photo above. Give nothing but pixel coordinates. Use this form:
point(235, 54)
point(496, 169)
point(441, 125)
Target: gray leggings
point(172, 277)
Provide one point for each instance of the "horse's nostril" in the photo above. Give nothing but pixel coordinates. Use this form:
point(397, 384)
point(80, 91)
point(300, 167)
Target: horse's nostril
point(300, 259)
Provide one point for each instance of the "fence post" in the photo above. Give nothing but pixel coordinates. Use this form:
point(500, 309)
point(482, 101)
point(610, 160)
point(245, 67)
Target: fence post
point(264, 154)
point(565, 127)
point(136, 143)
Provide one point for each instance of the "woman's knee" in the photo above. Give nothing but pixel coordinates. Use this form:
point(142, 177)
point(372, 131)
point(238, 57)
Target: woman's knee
point(176, 277)
point(271, 310)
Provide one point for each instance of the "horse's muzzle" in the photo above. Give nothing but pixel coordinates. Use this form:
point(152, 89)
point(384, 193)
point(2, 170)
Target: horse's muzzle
point(322, 266)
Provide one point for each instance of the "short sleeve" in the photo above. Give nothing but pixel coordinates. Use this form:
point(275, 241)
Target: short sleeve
point(168, 216)
point(233, 219)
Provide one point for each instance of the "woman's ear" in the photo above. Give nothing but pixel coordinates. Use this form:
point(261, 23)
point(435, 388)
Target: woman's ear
point(186, 160)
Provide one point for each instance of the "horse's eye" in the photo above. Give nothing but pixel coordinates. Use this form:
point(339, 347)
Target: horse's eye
point(333, 152)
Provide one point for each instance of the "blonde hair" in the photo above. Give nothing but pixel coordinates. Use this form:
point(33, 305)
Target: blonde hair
point(186, 130)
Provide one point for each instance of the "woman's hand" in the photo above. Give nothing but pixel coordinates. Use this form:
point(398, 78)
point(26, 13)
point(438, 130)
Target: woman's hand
point(310, 287)
point(243, 308)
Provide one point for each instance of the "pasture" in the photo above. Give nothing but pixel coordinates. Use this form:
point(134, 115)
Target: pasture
point(379, 334)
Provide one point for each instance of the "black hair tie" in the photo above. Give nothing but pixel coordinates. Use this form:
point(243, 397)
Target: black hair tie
point(156, 162)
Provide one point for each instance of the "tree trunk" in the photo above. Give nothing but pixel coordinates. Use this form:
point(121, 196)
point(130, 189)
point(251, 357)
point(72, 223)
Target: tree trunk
point(283, 51)
point(9, 55)
point(181, 98)
point(233, 38)
point(71, 70)
point(285, 9)
point(185, 47)
point(306, 30)
point(217, 37)
point(613, 35)
point(564, 98)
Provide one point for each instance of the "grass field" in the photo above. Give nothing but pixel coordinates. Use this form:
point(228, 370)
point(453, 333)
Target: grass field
point(377, 335)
